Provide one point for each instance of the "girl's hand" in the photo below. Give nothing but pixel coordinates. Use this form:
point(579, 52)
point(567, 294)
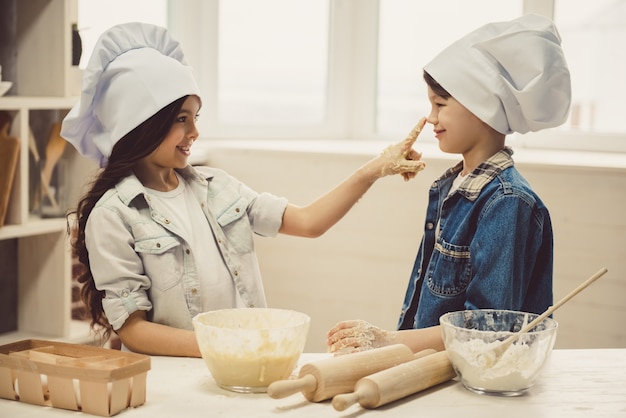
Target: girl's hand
point(357, 335)
point(401, 158)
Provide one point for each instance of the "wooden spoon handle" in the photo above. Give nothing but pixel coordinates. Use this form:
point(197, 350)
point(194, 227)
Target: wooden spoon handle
point(54, 150)
point(45, 186)
point(557, 305)
point(500, 349)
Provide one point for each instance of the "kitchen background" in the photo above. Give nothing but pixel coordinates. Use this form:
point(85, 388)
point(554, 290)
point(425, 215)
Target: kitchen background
point(295, 115)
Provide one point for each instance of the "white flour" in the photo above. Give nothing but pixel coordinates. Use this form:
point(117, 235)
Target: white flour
point(515, 370)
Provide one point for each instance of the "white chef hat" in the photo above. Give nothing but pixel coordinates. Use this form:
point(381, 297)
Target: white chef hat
point(511, 75)
point(135, 70)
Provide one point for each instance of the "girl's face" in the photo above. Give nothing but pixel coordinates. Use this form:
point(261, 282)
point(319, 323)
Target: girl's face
point(457, 129)
point(174, 150)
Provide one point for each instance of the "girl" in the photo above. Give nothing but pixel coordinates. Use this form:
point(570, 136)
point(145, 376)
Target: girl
point(487, 239)
point(160, 240)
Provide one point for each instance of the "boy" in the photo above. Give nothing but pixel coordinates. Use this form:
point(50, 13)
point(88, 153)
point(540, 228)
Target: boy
point(488, 237)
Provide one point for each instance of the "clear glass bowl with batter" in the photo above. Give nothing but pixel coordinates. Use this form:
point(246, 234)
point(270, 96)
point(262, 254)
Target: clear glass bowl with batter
point(247, 349)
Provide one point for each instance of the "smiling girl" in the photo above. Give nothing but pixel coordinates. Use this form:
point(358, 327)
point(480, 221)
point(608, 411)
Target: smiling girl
point(161, 241)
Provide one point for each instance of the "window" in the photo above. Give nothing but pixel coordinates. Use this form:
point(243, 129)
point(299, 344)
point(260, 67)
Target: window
point(590, 33)
point(346, 69)
point(410, 35)
point(272, 61)
point(94, 17)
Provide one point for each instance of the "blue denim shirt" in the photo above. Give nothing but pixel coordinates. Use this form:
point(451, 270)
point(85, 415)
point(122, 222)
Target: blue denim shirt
point(142, 260)
point(494, 247)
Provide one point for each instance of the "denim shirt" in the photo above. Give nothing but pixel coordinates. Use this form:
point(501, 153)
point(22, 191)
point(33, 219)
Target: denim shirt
point(142, 260)
point(494, 247)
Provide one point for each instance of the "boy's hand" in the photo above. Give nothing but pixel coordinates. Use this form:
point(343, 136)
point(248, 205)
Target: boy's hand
point(357, 335)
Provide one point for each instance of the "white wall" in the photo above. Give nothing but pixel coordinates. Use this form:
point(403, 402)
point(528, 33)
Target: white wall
point(360, 268)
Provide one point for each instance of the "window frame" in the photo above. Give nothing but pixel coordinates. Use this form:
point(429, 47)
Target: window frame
point(352, 79)
point(351, 94)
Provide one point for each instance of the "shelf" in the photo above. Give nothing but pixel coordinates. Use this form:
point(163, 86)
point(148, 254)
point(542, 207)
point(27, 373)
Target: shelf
point(80, 333)
point(36, 263)
point(35, 226)
point(36, 103)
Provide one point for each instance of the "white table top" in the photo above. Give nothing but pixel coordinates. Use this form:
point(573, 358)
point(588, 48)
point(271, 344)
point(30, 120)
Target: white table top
point(574, 383)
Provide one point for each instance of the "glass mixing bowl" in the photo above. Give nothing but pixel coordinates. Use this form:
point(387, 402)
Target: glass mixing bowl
point(247, 349)
point(471, 336)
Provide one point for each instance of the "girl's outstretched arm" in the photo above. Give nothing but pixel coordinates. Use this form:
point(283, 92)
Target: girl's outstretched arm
point(317, 217)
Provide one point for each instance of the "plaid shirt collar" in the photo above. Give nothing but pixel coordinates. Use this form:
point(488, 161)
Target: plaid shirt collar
point(483, 174)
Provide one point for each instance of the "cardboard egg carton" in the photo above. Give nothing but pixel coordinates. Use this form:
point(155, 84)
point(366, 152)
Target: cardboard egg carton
point(93, 380)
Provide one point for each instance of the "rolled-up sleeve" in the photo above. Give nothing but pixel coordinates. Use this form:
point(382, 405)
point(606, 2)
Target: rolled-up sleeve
point(116, 268)
point(265, 210)
point(266, 214)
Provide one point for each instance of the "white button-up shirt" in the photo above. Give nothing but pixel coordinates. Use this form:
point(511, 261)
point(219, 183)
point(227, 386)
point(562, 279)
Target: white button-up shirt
point(141, 259)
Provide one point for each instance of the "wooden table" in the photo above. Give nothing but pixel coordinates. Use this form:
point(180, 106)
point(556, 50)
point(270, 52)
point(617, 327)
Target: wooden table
point(574, 383)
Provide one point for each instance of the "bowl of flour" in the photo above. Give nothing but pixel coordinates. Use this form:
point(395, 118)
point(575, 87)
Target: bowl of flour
point(471, 336)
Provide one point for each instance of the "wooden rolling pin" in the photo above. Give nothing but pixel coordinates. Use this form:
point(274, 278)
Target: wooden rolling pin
point(397, 382)
point(323, 379)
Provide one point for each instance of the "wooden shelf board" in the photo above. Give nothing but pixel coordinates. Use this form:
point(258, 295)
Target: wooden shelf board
point(35, 226)
point(36, 103)
point(80, 333)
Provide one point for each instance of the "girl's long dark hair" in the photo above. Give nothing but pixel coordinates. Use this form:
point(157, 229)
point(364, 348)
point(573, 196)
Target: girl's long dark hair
point(137, 144)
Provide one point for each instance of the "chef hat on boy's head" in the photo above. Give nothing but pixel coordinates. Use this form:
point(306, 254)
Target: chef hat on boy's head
point(135, 70)
point(511, 75)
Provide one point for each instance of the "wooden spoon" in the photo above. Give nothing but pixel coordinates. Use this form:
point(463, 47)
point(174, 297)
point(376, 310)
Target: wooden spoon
point(32, 146)
point(9, 154)
point(499, 350)
point(54, 150)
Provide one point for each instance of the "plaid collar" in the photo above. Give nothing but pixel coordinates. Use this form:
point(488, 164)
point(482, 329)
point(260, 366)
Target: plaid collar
point(483, 174)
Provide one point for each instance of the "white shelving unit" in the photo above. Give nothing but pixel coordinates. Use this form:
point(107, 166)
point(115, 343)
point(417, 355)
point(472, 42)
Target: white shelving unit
point(46, 80)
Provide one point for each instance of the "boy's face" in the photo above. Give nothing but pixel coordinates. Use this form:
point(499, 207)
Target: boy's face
point(457, 129)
